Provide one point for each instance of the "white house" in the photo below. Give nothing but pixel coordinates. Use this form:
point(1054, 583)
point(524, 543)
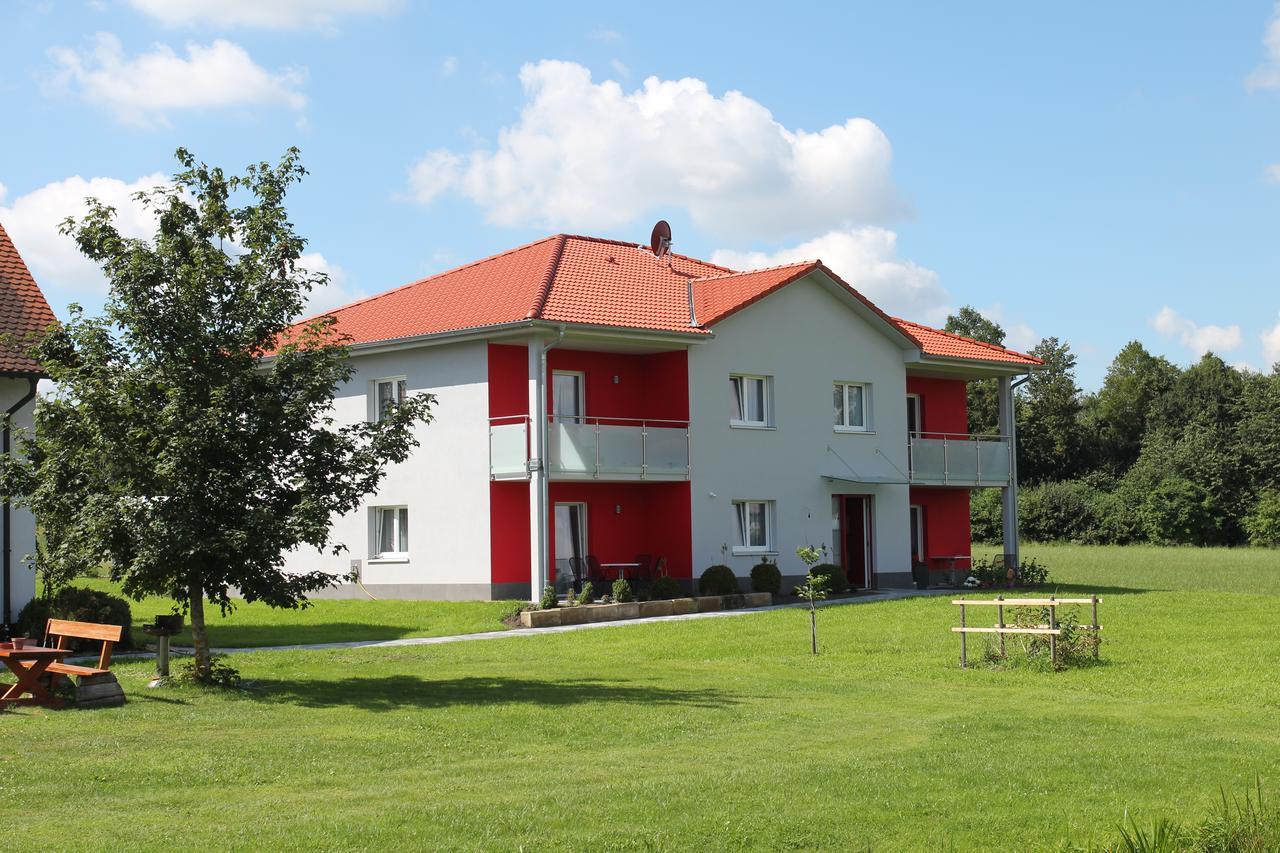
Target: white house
point(606, 407)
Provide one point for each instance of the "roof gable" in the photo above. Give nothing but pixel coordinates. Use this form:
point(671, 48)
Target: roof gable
point(23, 309)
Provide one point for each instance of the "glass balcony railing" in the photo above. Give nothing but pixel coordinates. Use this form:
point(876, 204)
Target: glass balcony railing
point(593, 448)
point(959, 459)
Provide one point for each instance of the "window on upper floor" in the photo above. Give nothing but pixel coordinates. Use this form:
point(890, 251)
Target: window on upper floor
point(390, 532)
point(852, 407)
point(751, 402)
point(388, 392)
point(568, 396)
point(755, 527)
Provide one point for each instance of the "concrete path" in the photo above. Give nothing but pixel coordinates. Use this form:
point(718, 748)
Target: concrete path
point(879, 595)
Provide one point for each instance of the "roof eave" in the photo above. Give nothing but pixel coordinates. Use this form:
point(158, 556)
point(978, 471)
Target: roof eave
point(985, 368)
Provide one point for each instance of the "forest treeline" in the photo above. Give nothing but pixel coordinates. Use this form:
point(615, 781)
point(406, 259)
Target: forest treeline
point(1159, 453)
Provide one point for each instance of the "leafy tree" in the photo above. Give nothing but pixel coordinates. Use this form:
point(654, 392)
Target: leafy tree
point(1263, 523)
point(1207, 394)
point(1050, 436)
point(1118, 413)
point(984, 394)
point(1257, 431)
point(170, 451)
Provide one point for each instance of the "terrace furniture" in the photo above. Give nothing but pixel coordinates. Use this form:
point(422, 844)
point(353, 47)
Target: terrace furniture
point(96, 685)
point(660, 569)
point(950, 563)
point(595, 573)
point(29, 665)
point(620, 569)
point(575, 567)
point(644, 566)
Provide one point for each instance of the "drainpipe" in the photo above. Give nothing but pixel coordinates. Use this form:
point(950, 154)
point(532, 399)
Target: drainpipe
point(6, 630)
point(538, 471)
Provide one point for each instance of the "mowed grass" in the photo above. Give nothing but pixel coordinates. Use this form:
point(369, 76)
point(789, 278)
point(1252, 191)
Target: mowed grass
point(323, 621)
point(710, 734)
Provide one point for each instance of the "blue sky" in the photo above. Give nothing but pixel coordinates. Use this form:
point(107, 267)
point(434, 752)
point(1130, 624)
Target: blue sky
point(1099, 172)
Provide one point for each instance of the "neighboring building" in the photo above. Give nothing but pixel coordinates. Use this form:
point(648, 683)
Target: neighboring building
point(595, 398)
point(23, 311)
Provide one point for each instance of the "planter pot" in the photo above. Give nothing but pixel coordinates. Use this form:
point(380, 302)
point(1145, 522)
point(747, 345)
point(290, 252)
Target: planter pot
point(655, 608)
point(920, 574)
point(684, 606)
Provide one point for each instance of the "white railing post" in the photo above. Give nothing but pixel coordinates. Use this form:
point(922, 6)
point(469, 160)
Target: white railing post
point(946, 462)
point(644, 449)
point(596, 433)
point(977, 458)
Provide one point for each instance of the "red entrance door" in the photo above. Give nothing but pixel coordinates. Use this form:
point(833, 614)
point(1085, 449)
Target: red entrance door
point(855, 535)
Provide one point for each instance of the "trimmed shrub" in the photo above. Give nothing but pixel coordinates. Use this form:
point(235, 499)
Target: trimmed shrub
point(837, 580)
point(79, 605)
point(718, 580)
point(622, 591)
point(549, 599)
point(665, 588)
point(588, 592)
point(1263, 524)
point(765, 577)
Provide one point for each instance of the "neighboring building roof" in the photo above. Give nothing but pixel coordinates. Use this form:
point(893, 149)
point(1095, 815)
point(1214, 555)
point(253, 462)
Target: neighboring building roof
point(23, 309)
point(946, 345)
point(590, 281)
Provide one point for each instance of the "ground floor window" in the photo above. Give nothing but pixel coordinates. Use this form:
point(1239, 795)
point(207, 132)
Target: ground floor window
point(390, 532)
point(917, 534)
point(755, 526)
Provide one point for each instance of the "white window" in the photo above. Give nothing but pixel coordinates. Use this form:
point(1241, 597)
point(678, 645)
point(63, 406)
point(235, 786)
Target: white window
point(755, 527)
point(568, 396)
point(852, 402)
point(750, 401)
point(388, 393)
point(390, 532)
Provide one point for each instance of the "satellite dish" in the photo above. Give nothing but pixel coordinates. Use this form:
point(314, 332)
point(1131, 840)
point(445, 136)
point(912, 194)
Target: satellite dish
point(660, 239)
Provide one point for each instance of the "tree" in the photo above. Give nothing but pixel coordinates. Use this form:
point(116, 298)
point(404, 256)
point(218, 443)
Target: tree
point(1119, 412)
point(1206, 394)
point(814, 588)
point(984, 394)
point(1050, 438)
point(170, 450)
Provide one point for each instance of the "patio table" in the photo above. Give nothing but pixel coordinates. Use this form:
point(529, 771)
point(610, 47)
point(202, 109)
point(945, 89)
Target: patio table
point(28, 664)
point(620, 568)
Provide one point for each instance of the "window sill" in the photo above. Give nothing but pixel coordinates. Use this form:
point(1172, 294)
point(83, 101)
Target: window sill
point(853, 431)
point(745, 425)
point(739, 551)
point(373, 561)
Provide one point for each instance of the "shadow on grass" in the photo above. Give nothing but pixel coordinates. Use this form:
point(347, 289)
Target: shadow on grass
point(245, 636)
point(1084, 590)
point(397, 692)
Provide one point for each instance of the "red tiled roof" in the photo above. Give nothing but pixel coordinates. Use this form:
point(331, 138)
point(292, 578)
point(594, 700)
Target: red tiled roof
point(597, 282)
point(23, 309)
point(945, 344)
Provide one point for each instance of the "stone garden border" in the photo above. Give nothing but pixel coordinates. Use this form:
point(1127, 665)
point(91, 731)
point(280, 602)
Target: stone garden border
point(583, 613)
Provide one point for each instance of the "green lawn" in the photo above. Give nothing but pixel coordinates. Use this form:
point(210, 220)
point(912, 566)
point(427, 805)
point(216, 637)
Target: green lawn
point(716, 734)
point(325, 621)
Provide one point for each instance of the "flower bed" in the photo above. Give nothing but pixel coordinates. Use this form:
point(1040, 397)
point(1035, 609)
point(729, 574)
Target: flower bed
point(584, 613)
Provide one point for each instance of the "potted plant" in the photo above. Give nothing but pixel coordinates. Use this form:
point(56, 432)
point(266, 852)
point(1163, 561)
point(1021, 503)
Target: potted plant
point(920, 574)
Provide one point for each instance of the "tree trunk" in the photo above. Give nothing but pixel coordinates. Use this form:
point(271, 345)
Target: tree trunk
point(813, 625)
point(199, 636)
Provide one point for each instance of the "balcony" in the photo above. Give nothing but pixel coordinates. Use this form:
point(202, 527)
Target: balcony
point(585, 448)
point(959, 459)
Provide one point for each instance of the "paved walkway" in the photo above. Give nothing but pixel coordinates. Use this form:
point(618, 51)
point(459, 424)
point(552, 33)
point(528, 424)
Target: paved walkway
point(878, 595)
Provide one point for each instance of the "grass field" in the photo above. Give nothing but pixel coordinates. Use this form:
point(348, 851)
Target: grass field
point(713, 734)
point(325, 621)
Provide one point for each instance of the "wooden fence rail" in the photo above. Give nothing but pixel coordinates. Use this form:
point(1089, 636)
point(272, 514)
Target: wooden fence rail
point(1000, 629)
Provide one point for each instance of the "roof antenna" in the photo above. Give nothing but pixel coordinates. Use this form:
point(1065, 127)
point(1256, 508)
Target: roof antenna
point(660, 241)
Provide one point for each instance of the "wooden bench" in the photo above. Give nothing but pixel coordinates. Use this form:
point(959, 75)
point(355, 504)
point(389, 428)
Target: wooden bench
point(97, 686)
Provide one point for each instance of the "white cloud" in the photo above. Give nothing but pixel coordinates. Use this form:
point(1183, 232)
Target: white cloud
point(867, 259)
point(449, 66)
point(270, 14)
point(142, 89)
point(1267, 74)
point(1272, 173)
point(1271, 344)
point(32, 221)
point(1199, 339)
point(587, 155)
point(333, 294)
point(1017, 334)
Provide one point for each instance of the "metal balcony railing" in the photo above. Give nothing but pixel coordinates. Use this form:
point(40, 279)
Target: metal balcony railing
point(582, 448)
point(959, 459)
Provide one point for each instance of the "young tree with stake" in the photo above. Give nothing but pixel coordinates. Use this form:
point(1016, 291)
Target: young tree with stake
point(188, 444)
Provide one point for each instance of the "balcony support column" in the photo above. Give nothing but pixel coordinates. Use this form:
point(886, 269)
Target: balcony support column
point(1009, 493)
point(538, 491)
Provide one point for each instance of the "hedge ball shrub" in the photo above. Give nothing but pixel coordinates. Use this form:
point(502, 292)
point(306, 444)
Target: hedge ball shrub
point(718, 580)
point(765, 577)
point(837, 581)
point(666, 587)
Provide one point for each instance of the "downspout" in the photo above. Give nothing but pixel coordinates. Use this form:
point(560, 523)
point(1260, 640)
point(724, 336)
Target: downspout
point(6, 630)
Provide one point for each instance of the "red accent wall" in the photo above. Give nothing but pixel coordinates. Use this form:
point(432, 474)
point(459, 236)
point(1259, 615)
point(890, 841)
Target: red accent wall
point(655, 519)
point(509, 531)
point(944, 403)
point(508, 380)
point(649, 386)
point(946, 523)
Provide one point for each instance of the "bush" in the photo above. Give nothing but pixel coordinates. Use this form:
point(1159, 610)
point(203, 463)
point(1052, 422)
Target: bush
point(622, 591)
point(837, 580)
point(765, 577)
point(985, 523)
point(549, 598)
point(1076, 646)
point(587, 593)
point(78, 605)
point(718, 580)
point(1263, 524)
point(666, 587)
point(220, 674)
point(1180, 512)
point(1057, 512)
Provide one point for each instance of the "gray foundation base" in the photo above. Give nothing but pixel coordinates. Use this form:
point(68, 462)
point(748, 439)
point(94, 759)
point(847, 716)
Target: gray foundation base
point(895, 580)
point(416, 591)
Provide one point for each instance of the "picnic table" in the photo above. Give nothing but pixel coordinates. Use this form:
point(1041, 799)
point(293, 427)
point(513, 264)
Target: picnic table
point(28, 664)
